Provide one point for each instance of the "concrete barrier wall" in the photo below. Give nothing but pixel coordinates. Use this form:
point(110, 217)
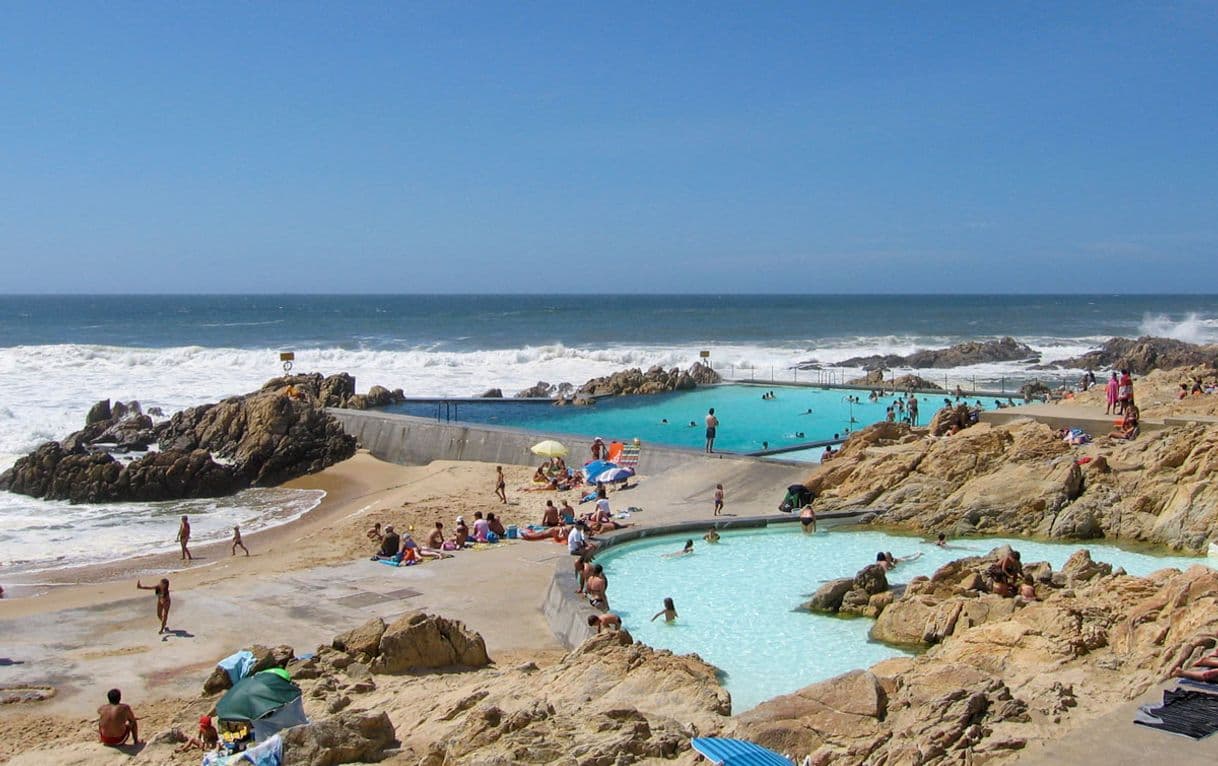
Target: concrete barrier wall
point(411, 440)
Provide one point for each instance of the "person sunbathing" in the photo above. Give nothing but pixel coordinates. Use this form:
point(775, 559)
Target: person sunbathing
point(1204, 669)
point(1128, 429)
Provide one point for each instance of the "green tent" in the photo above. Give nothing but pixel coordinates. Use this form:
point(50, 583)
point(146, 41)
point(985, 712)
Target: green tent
point(266, 700)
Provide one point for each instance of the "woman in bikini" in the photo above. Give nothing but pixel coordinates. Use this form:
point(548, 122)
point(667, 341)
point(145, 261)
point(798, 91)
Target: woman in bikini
point(500, 484)
point(162, 600)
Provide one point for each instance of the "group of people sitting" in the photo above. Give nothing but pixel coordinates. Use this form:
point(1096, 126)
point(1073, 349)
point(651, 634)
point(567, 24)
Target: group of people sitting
point(1007, 577)
point(1197, 388)
point(554, 475)
point(598, 520)
point(403, 550)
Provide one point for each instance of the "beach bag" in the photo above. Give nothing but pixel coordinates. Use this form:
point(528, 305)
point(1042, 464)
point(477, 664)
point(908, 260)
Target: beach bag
point(797, 497)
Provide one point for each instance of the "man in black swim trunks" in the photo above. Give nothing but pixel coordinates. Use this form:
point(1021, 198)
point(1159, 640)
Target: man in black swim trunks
point(712, 423)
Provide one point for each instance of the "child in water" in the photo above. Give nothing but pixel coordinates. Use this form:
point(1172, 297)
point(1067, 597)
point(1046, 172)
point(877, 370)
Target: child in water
point(669, 611)
point(712, 536)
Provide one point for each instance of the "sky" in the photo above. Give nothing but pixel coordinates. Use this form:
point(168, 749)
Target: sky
point(688, 147)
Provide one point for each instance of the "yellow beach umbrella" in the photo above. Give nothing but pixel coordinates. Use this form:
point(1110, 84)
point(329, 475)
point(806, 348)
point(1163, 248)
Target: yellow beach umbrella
point(549, 448)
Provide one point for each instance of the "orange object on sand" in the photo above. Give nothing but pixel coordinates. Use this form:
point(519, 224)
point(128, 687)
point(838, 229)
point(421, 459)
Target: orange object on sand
point(615, 452)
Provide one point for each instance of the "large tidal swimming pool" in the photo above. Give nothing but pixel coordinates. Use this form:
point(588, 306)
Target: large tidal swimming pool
point(737, 599)
point(747, 423)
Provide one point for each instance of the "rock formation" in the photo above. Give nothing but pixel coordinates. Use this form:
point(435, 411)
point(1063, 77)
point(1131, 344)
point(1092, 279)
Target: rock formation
point(259, 439)
point(973, 352)
point(656, 380)
point(999, 672)
point(1142, 355)
point(1020, 479)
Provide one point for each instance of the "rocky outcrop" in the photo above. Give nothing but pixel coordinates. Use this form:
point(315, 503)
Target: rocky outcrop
point(491, 393)
point(853, 596)
point(656, 380)
point(1019, 479)
point(420, 641)
point(973, 352)
point(1142, 355)
point(1004, 674)
point(949, 420)
point(260, 439)
point(349, 737)
point(53, 473)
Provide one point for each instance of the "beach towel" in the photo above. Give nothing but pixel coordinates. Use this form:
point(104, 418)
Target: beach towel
point(237, 665)
point(615, 452)
point(1188, 712)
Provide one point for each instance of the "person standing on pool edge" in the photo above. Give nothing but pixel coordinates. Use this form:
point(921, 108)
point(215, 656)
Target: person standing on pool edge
point(712, 423)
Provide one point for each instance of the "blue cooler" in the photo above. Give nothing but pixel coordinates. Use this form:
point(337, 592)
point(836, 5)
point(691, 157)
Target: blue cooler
point(511, 532)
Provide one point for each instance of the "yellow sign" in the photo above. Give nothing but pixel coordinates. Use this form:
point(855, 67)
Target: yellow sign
point(704, 354)
point(287, 356)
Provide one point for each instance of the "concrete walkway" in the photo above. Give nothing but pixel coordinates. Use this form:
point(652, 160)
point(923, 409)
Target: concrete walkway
point(1114, 740)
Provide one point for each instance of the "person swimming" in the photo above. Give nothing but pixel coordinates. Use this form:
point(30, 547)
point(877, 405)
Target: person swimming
point(687, 550)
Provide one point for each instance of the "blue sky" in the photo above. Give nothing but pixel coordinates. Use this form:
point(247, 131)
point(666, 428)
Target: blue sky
point(579, 147)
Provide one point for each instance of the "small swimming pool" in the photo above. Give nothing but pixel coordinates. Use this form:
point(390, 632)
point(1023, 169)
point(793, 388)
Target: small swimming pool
point(736, 598)
point(747, 423)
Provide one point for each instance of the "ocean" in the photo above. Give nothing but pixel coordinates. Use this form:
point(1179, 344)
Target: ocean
point(59, 354)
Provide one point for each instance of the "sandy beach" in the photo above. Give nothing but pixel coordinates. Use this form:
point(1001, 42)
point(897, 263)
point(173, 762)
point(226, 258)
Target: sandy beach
point(308, 580)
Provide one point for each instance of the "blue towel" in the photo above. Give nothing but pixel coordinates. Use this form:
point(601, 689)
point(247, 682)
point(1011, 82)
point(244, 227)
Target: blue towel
point(237, 665)
point(268, 753)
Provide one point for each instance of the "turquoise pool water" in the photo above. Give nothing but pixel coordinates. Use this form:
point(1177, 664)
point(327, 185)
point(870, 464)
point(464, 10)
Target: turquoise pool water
point(747, 422)
point(736, 598)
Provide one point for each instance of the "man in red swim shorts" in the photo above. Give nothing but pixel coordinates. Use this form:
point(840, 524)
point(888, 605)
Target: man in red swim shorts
point(116, 721)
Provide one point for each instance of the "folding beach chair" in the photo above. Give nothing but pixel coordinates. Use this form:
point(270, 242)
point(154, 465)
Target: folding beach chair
point(630, 457)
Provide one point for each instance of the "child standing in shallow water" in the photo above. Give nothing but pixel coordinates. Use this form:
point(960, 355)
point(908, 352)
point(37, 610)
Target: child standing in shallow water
point(718, 499)
point(669, 611)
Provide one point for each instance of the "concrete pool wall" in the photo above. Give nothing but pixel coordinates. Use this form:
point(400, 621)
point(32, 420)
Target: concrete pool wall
point(412, 440)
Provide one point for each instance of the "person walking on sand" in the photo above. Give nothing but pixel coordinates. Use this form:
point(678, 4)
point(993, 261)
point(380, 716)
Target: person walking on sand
point(500, 484)
point(712, 425)
point(1110, 394)
point(116, 721)
point(184, 538)
point(718, 499)
point(162, 600)
point(237, 543)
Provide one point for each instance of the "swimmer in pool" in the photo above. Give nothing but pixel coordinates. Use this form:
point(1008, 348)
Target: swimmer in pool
point(712, 536)
point(807, 519)
point(687, 550)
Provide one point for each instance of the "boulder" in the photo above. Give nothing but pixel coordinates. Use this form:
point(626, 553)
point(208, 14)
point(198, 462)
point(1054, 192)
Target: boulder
point(1080, 568)
point(349, 737)
point(491, 393)
point(365, 639)
point(98, 412)
point(539, 390)
point(266, 658)
point(217, 682)
point(828, 597)
point(419, 641)
point(871, 579)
